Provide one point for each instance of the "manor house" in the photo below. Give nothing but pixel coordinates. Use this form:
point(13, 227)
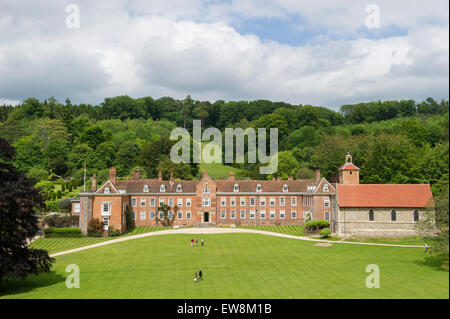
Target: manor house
point(353, 209)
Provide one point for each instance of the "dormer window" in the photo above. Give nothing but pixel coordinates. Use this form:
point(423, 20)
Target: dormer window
point(107, 190)
point(206, 189)
point(236, 188)
point(179, 188)
point(325, 188)
point(206, 201)
point(162, 188)
point(285, 188)
point(146, 189)
point(258, 188)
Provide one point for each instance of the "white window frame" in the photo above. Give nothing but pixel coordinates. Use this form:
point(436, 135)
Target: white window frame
point(233, 201)
point(76, 207)
point(252, 199)
point(180, 214)
point(206, 201)
point(133, 200)
point(282, 201)
point(146, 189)
point(252, 214)
point(143, 200)
point(325, 216)
point(108, 211)
point(236, 188)
point(223, 201)
point(152, 202)
point(143, 213)
point(282, 214)
point(233, 214)
point(180, 202)
point(325, 188)
point(242, 214)
point(326, 202)
point(293, 214)
point(188, 215)
point(161, 201)
point(273, 214)
point(162, 188)
point(223, 214)
point(285, 188)
point(134, 215)
point(242, 201)
point(152, 214)
point(170, 202)
point(262, 201)
point(179, 188)
point(188, 202)
point(293, 201)
point(107, 190)
point(258, 188)
point(262, 214)
point(272, 202)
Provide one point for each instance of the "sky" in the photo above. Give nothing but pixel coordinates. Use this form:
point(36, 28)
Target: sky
point(317, 52)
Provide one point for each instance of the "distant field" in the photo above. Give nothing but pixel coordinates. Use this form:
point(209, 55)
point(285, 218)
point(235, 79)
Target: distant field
point(235, 266)
point(219, 170)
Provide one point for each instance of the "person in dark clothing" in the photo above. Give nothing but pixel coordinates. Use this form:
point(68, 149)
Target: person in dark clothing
point(200, 275)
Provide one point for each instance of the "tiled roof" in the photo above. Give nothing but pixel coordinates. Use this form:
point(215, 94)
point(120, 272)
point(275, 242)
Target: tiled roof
point(384, 195)
point(248, 186)
point(137, 186)
point(348, 166)
point(245, 186)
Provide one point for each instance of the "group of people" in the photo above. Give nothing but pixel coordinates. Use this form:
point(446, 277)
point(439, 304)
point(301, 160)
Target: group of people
point(196, 242)
point(200, 275)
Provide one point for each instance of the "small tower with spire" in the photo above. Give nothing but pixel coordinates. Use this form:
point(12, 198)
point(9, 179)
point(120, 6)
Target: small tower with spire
point(348, 173)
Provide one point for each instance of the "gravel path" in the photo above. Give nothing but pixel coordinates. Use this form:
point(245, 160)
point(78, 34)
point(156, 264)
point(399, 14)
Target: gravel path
point(198, 231)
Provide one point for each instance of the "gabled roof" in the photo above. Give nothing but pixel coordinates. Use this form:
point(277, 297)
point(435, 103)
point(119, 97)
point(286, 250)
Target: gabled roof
point(348, 166)
point(384, 195)
point(273, 186)
point(137, 186)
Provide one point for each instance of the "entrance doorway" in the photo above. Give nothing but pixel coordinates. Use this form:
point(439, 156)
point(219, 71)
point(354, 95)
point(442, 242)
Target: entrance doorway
point(206, 217)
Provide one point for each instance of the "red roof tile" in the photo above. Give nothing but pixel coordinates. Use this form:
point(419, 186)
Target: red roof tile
point(384, 195)
point(348, 166)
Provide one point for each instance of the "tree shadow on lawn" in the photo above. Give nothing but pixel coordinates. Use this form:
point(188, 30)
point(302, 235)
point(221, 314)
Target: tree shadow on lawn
point(436, 261)
point(30, 283)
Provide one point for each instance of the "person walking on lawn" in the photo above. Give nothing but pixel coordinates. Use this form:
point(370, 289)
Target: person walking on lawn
point(200, 275)
point(192, 242)
point(203, 242)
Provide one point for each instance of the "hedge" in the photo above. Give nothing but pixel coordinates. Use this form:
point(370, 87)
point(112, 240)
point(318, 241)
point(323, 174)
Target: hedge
point(62, 232)
point(325, 233)
point(61, 221)
point(317, 224)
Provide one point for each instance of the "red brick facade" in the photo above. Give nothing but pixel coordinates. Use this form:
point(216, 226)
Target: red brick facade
point(222, 202)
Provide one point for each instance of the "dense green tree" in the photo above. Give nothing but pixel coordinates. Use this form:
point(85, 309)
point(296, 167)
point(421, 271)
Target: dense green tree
point(18, 223)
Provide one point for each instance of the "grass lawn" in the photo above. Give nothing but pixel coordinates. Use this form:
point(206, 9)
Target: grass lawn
point(218, 170)
point(290, 230)
point(54, 245)
point(235, 266)
point(417, 240)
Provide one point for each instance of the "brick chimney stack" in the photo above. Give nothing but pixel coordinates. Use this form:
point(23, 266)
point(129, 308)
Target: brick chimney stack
point(160, 176)
point(171, 178)
point(136, 174)
point(290, 178)
point(112, 175)
point(94, 182)
point(317, 174)
point(231, 177)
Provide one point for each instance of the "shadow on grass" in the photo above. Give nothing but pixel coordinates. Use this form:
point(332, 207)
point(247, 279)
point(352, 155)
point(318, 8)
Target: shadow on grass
point(30, 283)
point(436, 261)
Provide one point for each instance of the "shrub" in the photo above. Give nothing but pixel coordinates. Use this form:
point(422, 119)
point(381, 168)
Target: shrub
point(61, 221)
point(129, 218)
point(325, 233)
point(63, 187)
point(58, 194)
point(317, 225)
point(114, 233)
point(51, 206)
point(65, 204)
point(45, 186)
point(62, 232)
point(95, 226)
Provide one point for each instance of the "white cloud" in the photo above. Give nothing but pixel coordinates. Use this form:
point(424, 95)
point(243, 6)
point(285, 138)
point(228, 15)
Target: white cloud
point(191, 47)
